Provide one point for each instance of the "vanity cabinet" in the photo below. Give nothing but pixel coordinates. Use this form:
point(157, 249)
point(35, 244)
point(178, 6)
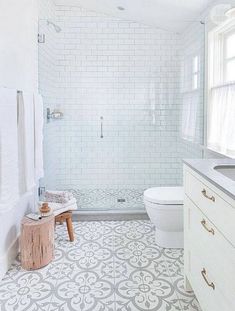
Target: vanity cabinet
point(209, 233)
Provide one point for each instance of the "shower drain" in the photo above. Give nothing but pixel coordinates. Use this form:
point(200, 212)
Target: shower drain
point(121, 200)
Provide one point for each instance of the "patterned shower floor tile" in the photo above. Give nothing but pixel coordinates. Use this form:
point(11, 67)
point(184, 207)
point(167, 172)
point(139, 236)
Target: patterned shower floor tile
point(111, 266)
point(109, 199)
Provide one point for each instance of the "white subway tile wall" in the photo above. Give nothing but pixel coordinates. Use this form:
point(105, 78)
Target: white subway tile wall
point(129, 75)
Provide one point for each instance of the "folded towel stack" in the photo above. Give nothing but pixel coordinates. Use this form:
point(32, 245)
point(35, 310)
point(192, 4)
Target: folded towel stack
point(60, 201)
point(70, 205)
point(58, 196)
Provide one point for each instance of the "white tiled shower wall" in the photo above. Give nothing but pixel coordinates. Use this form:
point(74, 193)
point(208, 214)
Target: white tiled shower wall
point(129, 74)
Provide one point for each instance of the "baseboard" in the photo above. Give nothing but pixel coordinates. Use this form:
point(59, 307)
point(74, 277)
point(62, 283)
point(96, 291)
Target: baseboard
point(10, 256)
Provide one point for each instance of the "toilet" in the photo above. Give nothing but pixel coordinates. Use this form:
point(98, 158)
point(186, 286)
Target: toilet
point(164, 206)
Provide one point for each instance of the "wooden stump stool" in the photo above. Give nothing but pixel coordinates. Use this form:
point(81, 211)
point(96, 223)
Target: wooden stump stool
point(37, 242)
point(67, 216)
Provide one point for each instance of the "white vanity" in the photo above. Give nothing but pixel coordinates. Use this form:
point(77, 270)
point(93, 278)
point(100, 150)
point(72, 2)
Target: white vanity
point(209, 230)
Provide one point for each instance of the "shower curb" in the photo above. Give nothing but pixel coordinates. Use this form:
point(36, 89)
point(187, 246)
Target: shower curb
point(109, 215)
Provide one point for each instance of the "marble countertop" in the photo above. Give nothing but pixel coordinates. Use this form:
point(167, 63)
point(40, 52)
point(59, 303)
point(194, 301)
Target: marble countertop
point(205, 167)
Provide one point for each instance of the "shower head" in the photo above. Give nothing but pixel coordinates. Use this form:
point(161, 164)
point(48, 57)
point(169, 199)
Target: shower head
point(56, 27)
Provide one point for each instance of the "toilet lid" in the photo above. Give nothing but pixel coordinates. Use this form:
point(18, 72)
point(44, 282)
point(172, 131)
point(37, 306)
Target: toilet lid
point(165, 195)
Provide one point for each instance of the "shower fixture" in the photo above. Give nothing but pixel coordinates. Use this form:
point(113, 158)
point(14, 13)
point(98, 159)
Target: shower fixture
point(56, 27)
point(41, 38)
point(54, 115)
point(101, 127)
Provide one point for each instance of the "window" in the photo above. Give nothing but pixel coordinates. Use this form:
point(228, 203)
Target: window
point(191, 97)
point(191, 73)
point(229, 57)
point(221, 89)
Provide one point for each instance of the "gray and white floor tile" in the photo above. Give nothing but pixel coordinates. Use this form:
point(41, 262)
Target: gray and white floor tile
point(111, 266)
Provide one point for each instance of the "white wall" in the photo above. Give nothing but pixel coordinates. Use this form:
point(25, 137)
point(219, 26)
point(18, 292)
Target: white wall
point(18, 44)
point(18, 70)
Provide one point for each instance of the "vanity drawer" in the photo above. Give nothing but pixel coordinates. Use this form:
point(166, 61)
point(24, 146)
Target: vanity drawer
point(213, 250)
point(220, 212)
point(202, 281)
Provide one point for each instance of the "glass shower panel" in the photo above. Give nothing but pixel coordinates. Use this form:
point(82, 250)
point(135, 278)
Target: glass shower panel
point(118, 86)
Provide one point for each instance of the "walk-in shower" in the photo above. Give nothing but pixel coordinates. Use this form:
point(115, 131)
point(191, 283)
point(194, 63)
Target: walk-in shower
point(124, 89)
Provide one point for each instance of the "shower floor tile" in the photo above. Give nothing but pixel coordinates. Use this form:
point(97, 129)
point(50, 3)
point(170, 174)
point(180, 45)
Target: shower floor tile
point(111, 266)
point(109, 199)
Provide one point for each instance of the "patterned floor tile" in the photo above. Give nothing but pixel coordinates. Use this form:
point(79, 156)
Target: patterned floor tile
point(137, 254)
point(187, 300)
point(175, 266)
point(28, 291)
point(142, 290)
point(86, 291)
point(111, 266)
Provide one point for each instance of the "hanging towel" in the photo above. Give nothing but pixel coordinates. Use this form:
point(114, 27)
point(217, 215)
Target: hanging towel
point(38, 136)
point(9, 191)
point(26, 142)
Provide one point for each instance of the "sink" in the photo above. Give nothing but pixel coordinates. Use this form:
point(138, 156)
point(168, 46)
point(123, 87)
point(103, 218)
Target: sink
point(226, 170)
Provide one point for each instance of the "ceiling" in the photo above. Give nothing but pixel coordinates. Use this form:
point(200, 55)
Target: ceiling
point(173, 15)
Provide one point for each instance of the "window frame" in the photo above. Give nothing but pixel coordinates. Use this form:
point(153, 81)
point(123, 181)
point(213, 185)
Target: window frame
point(215, 75)
point(226, 59)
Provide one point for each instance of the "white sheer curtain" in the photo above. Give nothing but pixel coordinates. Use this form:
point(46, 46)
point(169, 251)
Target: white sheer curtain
point(191, 102)
point(221, 120)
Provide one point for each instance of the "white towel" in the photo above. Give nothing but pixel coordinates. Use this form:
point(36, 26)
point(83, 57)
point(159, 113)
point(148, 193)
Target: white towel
point(58, 196)
point(59, 208)
point(9, 191)
point(26, 142)
point(38, 136)
point(72, 207)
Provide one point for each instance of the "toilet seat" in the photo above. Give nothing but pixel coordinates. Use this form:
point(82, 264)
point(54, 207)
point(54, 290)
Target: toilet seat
point(165, 195)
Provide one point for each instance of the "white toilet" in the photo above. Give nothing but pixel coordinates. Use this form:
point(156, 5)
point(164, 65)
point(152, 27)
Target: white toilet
point(164, 206)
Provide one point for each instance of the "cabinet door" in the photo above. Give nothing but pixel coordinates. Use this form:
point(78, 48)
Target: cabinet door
point(210, 261)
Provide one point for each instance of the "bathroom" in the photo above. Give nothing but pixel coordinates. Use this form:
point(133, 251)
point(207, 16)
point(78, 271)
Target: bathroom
point(125, 118)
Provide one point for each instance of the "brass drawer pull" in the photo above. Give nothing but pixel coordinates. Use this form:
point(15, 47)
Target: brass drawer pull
point(203, 272)
point(212, 198)
point(203, 222)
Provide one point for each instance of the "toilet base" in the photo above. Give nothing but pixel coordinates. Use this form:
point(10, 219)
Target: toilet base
point(167, 239)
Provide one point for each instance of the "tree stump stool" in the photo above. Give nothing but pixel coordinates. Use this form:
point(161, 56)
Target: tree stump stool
point(67, 216)
point(37, 242)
